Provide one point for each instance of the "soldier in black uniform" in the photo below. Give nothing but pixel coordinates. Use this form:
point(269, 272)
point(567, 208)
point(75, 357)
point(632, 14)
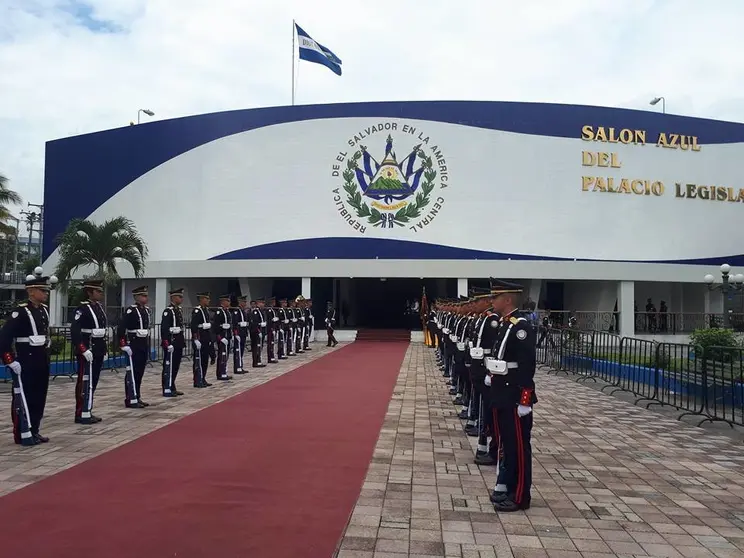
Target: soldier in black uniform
point(173, 341)
point(222, 328)
point(88, 336)
point(27, 329)
point(134, 340)
point(272, 324)
point(256, 324)
point(309, 324)
point(299, 313)
point(294, 326)
point(240, 333)
point(283, 329)
point(201, 340)
point(511, 370)
point(330, 323)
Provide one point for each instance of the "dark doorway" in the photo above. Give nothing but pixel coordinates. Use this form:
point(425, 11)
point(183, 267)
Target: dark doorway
point(382, 303)
point(286, 288)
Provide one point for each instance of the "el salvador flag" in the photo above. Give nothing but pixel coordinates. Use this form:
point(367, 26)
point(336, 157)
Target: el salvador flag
point(312, 51)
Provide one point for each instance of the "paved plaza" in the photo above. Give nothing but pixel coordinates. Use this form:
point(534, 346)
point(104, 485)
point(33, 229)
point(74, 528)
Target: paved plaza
point(74, 443)
point(611, 479)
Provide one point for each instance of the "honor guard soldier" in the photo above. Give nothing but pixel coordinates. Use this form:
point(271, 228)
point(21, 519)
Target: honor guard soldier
point(88, 337)
point(240, 333)
point(293, 326)
point(173, 341)
point(256, 325)
point(201, 340)
point(301, 325)
point(283, 329)
point(330, 323)
point(272, 325)
point(511, 370)
point(309, 323)
point(27, 329)
point(223, 333)
point(265, 325)
point(134, 340)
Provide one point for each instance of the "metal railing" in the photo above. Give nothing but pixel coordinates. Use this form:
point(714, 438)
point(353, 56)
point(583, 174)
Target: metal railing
point(704, 383)
point(662, 323)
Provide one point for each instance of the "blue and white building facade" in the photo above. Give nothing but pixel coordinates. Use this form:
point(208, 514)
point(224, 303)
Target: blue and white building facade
point(616, 205)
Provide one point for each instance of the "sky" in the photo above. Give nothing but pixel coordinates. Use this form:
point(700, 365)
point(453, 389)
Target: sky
point(71, 67)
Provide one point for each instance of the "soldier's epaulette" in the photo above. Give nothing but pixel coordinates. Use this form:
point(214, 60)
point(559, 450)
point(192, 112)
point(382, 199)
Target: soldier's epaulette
point(85, 302)
point(23, 305)
point(514, 320)
point(44, 305)
point(133, 305)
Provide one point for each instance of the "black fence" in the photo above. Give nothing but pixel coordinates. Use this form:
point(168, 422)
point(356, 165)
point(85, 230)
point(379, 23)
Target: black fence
point(703, 383)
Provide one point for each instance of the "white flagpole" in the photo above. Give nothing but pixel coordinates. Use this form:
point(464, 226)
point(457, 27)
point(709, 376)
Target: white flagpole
point(293, 62)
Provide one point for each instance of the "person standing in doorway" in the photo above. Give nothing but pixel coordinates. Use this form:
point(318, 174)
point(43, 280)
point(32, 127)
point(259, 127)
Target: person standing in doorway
point(88, 336)
point(27, 330)
point(330, 322)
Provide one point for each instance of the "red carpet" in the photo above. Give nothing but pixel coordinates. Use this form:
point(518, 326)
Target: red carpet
point(270, 473)
point(401, 335)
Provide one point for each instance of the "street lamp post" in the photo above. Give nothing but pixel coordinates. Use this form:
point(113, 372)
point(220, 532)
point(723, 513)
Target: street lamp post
point(655, 101)
point(148, 112)
point(729, 284)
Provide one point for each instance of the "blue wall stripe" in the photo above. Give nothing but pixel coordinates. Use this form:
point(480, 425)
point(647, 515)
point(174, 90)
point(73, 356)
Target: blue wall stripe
point(343, 248)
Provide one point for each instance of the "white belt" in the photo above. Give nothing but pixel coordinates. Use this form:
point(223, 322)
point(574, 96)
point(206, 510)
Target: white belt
point(445, 331)
point(205, 326)
point(139, 332)
point(97, 333)
point(243, 324)
point(453, 338)
point(225, 326)
point(263, 324)
point(499, 367)
point(286, 321)
point(33, 340)
point(175, 330)
point(460, 346)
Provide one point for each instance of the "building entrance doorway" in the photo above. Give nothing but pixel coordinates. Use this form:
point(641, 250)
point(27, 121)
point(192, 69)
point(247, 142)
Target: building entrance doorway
point(385, 303)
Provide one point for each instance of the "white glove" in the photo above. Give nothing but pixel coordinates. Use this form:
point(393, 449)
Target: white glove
point(15, 366)
point(170, 348)
point(127, 349)
point(197, 344)
point(88, 356)
point(225, 341)
point(524, 410)
point(487, 381)
point(275, 319)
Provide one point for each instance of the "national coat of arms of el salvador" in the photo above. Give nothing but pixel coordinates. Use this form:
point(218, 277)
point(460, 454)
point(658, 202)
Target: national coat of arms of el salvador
point(389, 192)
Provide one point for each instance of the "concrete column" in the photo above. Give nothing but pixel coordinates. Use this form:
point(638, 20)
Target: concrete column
point(125, 298)
point(56, 297)
point(462, 287)
point(306, 282)
point(161, 297)
point(626, 300)
point(534, 287)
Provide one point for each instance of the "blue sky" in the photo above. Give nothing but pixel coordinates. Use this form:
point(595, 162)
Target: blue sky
point(76, 66)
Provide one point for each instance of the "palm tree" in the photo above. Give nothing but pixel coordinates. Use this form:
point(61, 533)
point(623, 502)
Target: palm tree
point(84, 243)
point(7, 197)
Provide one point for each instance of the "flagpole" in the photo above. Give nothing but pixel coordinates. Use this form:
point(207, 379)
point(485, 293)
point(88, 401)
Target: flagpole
point(293, 62)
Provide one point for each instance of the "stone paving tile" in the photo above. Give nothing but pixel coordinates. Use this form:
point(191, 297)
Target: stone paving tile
point(72, 443)
point(610, 480)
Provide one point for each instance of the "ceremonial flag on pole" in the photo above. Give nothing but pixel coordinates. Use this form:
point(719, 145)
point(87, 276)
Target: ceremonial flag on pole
point(312, 51)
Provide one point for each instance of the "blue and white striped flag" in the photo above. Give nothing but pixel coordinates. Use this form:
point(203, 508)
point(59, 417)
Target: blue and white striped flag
point(312, 51)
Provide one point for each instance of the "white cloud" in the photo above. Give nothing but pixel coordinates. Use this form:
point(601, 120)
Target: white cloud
point(59, 78)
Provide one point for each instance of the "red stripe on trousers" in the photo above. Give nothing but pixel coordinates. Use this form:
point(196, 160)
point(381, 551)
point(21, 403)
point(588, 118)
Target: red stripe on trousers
point(520, 458)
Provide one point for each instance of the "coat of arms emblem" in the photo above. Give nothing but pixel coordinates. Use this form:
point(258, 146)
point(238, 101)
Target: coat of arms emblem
point(389, 192)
